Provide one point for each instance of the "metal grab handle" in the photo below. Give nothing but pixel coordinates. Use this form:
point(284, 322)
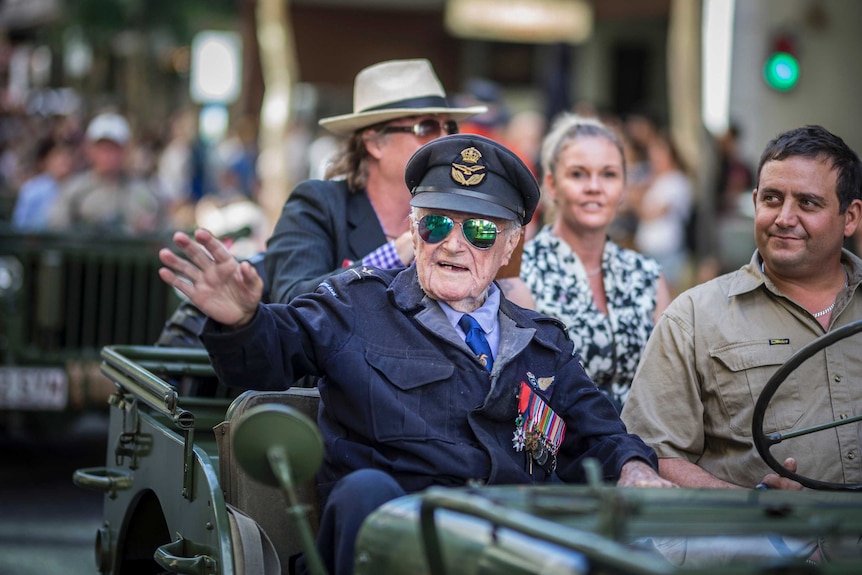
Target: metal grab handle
point(102, 479)
point(170, 558)
point(601, 551)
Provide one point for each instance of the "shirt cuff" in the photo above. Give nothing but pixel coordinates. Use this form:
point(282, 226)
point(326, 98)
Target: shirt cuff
point(385, 257)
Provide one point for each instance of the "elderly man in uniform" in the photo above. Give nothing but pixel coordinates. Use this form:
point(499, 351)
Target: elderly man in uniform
point(358, 215)
point(428, 375)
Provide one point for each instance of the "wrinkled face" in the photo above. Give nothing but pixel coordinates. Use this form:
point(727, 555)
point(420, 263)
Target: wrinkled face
point(394, 148)
point(453, 270)
point(796, 221)
point(588, 182)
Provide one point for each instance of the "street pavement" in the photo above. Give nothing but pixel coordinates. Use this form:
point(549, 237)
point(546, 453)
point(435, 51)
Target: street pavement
point(47, 524)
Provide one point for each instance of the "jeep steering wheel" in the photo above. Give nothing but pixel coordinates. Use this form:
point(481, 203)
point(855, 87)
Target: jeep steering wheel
point(764, 442)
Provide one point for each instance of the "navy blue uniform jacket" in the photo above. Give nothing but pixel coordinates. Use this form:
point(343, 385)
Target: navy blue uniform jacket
point(401, 391)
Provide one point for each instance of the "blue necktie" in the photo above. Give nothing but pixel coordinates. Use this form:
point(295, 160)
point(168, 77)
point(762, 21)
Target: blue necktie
point(476, 340)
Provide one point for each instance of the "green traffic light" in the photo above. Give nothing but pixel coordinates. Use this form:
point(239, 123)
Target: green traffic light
point(781, 71)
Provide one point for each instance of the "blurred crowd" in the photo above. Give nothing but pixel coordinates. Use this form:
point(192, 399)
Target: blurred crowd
point(61, 172)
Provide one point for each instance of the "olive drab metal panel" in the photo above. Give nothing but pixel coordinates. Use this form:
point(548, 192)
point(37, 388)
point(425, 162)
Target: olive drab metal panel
point(62, 298)
point(169, 483)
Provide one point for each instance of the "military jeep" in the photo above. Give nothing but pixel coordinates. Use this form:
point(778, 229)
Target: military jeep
point(212, 484)
point(63, 296)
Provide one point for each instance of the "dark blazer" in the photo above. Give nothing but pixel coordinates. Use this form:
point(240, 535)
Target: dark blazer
point(322, 230)
point(401, 392)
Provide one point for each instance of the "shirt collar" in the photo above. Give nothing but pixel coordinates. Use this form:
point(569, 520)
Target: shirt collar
point(485, 315)
point(752, 276)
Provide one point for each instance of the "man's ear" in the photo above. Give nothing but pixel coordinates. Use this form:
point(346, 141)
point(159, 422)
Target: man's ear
point(414, 235)
point(510, 266)
point(512, 241)
point(852, 217)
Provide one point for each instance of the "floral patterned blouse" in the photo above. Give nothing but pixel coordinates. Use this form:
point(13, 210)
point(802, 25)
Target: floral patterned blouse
point(610, 345)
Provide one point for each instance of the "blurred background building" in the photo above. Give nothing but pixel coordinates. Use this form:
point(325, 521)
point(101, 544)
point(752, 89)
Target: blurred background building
point(703, 69)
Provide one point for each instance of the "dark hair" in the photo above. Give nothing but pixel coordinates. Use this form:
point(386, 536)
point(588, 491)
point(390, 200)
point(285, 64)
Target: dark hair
point(816, 142)
point(663, 138)
point(43, 149)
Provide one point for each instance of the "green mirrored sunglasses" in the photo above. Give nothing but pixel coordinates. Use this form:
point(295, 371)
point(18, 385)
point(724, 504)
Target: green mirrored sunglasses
point(434, 228)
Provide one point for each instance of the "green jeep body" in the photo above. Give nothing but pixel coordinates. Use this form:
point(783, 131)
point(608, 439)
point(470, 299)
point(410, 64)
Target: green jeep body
point(62, 298)
point(176, 501)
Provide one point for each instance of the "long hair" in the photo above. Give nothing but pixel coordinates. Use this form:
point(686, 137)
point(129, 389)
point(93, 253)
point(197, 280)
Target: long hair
point(351, 163)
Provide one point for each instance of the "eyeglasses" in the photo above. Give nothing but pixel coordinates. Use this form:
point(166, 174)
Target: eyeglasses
point(435, 228)
point(425, 129)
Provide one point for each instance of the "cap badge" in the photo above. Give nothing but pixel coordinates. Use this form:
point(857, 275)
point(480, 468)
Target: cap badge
point(468, 175)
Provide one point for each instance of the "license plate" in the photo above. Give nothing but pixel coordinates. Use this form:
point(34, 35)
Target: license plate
point(33, 388)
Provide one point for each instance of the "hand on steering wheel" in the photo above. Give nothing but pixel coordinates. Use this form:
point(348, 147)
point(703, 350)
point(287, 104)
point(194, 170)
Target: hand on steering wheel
point(775, 481)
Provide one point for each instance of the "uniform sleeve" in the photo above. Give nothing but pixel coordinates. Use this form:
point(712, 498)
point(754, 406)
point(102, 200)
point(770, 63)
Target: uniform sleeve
point(594, 429)
point(283, 342)
point(664, 407)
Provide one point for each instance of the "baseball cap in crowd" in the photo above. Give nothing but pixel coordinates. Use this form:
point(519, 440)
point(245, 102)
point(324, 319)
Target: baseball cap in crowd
point(109, 126)
point(395, 89)
point(472, 174)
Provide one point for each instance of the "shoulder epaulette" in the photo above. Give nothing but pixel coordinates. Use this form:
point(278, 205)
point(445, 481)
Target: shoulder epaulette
point(341, 280)
point(362, 273)
point(549, 319)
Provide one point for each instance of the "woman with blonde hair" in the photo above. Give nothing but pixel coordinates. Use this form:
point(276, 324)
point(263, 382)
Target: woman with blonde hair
point(608, 297)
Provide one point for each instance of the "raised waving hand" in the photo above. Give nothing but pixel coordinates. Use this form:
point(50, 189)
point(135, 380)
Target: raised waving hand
point(226, 290)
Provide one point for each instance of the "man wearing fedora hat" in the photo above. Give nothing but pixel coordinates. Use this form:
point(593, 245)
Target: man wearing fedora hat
point(359, 215)
point(428, 375)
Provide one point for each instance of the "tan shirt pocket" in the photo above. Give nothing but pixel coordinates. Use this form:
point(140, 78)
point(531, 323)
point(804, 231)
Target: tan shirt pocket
point(741, 371)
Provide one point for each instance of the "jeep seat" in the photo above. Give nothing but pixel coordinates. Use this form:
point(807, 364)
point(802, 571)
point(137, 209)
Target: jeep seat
point(267, 505)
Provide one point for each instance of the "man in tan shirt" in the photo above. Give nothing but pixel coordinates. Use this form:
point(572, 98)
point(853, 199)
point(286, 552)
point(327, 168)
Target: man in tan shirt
point(718, 344)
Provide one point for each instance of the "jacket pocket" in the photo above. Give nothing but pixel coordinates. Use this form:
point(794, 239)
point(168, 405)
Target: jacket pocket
point(410, 401)
point(742, 371)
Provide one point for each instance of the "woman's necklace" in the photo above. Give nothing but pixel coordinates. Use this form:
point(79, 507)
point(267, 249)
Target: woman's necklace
point(594, 273)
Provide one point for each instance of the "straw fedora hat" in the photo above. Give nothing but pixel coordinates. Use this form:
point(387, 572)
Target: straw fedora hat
point(395, 89)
